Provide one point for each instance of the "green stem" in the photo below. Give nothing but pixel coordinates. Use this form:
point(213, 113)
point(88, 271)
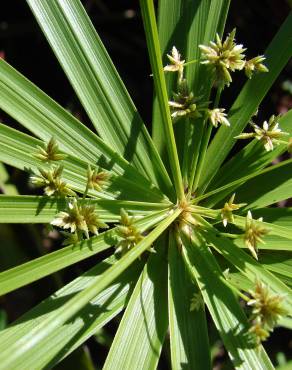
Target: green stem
point(185, 158)
point(191, 62)
point(204, 144)
point(151, 32)
point(195, 158)
point(85, 191)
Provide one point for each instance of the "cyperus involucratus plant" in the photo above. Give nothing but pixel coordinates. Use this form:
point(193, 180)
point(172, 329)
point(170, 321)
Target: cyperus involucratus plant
point(189, 228)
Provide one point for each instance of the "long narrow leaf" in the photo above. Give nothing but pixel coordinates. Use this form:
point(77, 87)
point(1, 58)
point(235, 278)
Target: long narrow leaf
point(42, 209)
point(189, 344)
point(20, 349)
point(223, 307)
point(96, 82)
point(249, 266)
point(68, 337)
point(43, 266)
point(138, 341)
point(18, 149)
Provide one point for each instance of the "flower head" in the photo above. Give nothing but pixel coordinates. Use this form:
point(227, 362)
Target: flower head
point(49, 152)
point(177, 65)
point(267, 309)
point(185, 104)
point(52, 182)
point(255, 65)
point(128, 232)
point(217, 116)
point(97, 179)
point(269, 134)
point(223, 57)
point(253, 233)
point(229, 207)
point(79, 217)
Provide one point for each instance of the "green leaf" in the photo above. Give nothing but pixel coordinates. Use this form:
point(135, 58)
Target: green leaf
point(17, 149)
point(274, 180)
point(279, 262)
point(275, 185)
point(98, 85)
point(252, 157)
point(247, 102)
point(20, 349)
point(138, 341)
point(276, 216)
point(148, 15)
point(42, 209)
point(189, 342)
point(223, 306)
point(38, 268)
point(252, 269)
point(71, 335)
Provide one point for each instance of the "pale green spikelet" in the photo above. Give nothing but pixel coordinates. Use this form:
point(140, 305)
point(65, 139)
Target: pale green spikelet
point(223, 58)
point(253, 233)
point(128, 233)
point(255, 65)
point(49, 152)
point(97, 179)
point(79, 217)
point(52, 183)
point(229, 207)
point(267, 309)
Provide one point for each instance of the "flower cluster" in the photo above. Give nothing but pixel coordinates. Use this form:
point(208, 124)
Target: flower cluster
point(97, 179)
point(79, 219)
point(270, 134)
point(49, 152)
point(52, 182)
point(267, 308)
point(185, 104)
point(229, 207)
point(128, 233)
point(226, 56)
point(254, 232)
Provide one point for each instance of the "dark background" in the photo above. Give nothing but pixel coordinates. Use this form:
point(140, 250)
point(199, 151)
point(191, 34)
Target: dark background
point(120, 27)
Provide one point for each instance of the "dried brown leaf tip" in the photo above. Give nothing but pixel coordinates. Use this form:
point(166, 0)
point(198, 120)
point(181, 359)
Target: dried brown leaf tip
point(49, 152)
point(267, 309)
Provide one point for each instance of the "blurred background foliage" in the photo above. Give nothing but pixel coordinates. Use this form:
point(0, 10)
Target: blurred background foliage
point(120, 27)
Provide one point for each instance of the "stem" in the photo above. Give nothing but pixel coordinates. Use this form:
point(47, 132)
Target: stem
point(204, 144)
point(191, 62)
point(195, 158)
point(185, 158)
point(85, 192)
point(151, 32)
